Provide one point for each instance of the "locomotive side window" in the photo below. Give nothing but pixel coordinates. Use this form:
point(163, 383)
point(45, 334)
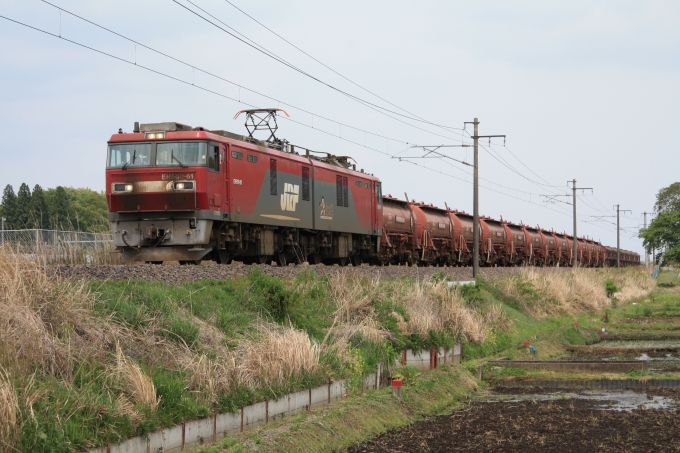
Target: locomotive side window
point(130, 155)
point(345, 192)
point(359, 184)
point(338, 190)
point(181, 154)
point(252, 158)
point(305, 183)
point(378, 186)
point(367, 185)
point(214, 158)
point(237, 155)
point(272, 177)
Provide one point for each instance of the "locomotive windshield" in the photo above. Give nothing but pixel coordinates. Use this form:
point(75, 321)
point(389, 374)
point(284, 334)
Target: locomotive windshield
point(130, 155)
point(157, 154)
point(183, 153)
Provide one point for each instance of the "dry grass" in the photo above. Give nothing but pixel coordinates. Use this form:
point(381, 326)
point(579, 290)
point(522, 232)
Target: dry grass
point(134, 382)
point(429, 305)
point(270, 358)
point(10, 414)
point(276, 355)
point(43, 321)
point(548, 292)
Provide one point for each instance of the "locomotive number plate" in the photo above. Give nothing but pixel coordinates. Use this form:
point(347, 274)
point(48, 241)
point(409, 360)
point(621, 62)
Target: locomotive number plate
point(238, 182)
point(173, 176)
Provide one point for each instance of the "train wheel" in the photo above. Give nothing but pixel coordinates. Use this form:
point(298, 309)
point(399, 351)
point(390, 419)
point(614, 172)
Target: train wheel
point(263, 260)
point(281, 259)
point(314, 258)
point(342, 262)
point(189, 262)
point(356, 260)
point(222, 257)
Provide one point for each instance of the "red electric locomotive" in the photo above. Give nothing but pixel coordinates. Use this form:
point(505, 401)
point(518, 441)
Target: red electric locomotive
point(178, 193)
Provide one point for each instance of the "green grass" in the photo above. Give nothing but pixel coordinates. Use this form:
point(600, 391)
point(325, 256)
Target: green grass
point(85, 414)
point(357, 418)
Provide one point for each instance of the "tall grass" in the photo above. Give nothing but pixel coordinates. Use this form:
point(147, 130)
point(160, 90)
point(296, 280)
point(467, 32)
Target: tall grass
point(549, 292)
point(370, 306)
point(10, 416)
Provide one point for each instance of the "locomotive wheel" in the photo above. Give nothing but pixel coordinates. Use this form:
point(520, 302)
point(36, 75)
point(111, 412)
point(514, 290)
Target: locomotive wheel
point(342, 262)
point(263, 260)
point(188, 262)
point(356, 260)
point(314, 259)
point(281, 259)
point(222, 257)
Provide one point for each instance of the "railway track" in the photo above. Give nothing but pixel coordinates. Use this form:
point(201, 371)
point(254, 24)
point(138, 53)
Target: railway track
point(173, 274)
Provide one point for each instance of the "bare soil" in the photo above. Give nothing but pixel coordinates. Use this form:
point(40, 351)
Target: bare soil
point(573, 425)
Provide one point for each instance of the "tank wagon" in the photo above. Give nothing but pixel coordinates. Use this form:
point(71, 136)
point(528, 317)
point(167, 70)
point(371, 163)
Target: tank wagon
point(187, 194)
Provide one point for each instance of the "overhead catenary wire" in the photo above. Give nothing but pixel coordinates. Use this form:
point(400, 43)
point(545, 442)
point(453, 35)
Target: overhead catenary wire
point(196, 68)
point(334, 71)
point(137, 64)
point(266, 52)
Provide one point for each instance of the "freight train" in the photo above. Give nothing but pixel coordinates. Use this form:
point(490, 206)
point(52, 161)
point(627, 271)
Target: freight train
point(187, 194)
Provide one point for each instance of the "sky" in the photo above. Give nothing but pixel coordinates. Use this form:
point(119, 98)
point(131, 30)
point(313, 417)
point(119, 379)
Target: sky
point(582, 90)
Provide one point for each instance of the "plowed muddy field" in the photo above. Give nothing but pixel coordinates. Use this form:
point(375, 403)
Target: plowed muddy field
point(622, 423)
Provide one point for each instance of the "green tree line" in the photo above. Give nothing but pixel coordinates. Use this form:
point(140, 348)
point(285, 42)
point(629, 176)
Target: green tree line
point(663, 233)
point(61, 208)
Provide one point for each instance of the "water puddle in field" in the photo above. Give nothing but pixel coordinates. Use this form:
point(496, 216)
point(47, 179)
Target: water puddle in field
point(639, 344)
point(624, 400)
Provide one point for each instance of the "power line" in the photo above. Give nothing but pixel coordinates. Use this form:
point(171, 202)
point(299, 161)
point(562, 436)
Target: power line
point(266, 96)
point(270, 54)
point(333, 70)
point(199, 87)
point(222, 78)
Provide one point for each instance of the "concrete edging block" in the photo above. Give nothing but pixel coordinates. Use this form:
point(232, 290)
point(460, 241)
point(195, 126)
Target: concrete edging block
point(198, 431)
point(228, 423)
point(319, 396)
point(172, 439)
point(299, 401)
point(254, 415)
point(278, 408)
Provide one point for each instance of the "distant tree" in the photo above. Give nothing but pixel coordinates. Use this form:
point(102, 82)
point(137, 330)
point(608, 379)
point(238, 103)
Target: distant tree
point(9, 206)
point(664, 232)
point(39, 213)
point(668, 199)
point(60, 209)
point(90, 210)
point(22, 215)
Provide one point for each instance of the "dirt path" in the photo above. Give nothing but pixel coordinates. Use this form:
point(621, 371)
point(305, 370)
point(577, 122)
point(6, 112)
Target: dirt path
point(567, 425)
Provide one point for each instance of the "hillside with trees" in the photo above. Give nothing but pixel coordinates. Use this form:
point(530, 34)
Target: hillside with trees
point(60, 208)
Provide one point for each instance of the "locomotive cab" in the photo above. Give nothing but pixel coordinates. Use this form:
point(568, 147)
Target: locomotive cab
point(164, 192)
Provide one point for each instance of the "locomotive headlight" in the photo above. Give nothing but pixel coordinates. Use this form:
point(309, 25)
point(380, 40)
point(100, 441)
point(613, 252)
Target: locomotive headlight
point(183, 185)
point(122, 187)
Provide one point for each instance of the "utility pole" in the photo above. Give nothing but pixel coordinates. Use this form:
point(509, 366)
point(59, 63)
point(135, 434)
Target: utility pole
point(552, 198)
point(646, 250)
point(618, 233)
point(475, 197)
point(3, 230)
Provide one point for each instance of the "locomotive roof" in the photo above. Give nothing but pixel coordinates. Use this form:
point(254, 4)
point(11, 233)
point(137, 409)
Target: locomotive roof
point(179, 131)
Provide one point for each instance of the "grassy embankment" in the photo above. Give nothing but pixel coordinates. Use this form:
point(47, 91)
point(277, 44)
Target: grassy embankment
point(84, 364)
